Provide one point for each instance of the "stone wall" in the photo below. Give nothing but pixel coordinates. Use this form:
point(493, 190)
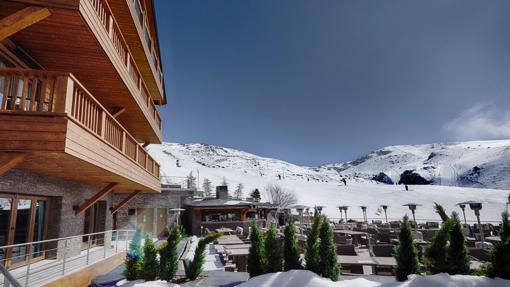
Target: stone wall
point(62, 221)
point(168, 198)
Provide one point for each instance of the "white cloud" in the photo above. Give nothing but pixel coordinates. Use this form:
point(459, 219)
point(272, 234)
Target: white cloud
point(481, 122)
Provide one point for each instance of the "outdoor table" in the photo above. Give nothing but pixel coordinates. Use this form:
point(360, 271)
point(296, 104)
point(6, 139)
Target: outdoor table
point(239, 257)
point(229, 240)
point(237, 246)
point(383, 264)
point(226, 231)
point(354, 263)
point(493, 239)
point(356, 235)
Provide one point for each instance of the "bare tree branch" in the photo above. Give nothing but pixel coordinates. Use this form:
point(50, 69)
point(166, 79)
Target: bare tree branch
point(282, 198)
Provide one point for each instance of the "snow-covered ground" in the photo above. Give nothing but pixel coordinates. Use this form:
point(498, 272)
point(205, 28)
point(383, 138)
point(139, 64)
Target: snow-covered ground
point(472, 164)
point(322, 186)
point(303, 278)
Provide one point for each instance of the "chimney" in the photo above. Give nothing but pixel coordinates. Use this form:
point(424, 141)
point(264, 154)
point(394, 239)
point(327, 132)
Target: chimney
point(222, 192)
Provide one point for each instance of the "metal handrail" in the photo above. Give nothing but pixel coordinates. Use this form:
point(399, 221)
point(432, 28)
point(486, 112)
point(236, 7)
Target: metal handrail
point(9, 277)
point(65, 238)
point(56, 265)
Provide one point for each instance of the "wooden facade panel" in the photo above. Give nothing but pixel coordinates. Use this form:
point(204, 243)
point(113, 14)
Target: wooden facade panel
point(82, 47)
point(88, 147)
point(59, 147)
point(29, 133)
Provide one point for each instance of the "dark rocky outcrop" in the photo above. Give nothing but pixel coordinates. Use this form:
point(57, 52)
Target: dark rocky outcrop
point(412, 177)
point(382, 177)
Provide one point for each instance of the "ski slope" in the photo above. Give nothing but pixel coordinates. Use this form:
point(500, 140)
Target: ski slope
point(318, 186)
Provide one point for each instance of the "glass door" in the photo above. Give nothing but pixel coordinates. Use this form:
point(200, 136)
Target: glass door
point(22, 220)
point(5, 219)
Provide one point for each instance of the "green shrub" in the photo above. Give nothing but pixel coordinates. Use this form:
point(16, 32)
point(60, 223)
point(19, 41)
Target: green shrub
point(193, 268)
point(150, 264)
point(291, 253)
point(406, 253)
point(328, 265)
point(132, 266)
point(437, 249)
point(257, 263)
point(168, 257)
point(273, 251)
point(135, 246)
point(312, 257)
point(500, 255)
point(457, 258)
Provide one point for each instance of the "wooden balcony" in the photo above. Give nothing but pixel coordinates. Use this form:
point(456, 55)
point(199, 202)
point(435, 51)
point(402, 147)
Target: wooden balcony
point(83, 37)
point(137, 23)
point(67, 133)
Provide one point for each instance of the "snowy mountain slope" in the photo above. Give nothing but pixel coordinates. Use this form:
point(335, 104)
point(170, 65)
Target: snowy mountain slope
point(317, 186)
point(471, 164)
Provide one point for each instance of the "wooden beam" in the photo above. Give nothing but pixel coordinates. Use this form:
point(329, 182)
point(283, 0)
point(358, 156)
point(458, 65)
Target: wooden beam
point(118, 112)
point(18, 21)
point(91, 201)
point(125, 201)
point(10, 160)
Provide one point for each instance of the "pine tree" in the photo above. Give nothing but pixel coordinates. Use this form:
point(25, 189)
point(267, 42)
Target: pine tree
point(312, 257)
point(238, 193)
point(135, 246)
point(406, 253)
point(291, 253)
point(207, 187)
point(457, 258)
point(273, 251)
point(500, 255)
point(504, 233)
point(150, 265)
point(257, 263)
point(191, 181)
point(255, 194)
point(328, 264)
point(168, 257)
point(132, 266)
point(440, 210)
point(193, 268)
point(134, 256)
point(436, 250)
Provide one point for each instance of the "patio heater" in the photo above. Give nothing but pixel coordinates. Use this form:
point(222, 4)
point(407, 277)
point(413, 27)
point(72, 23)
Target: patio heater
point(340, 208)
point(412, 207)
point(364, 209)
point(178, 211)
point(345, 210)
point(508, 203)
point(476, 206)
point(300, 209)
point(463, 207)
point(385, 208)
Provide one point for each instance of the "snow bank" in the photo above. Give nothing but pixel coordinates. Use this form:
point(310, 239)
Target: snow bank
point(445, 280)
point(301, 278)
point(304, 278)
point(155, 284)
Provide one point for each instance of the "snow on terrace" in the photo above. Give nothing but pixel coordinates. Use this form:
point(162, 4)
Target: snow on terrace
point(303, 278)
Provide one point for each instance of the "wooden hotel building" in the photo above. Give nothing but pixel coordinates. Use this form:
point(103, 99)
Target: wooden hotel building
point(80, 81)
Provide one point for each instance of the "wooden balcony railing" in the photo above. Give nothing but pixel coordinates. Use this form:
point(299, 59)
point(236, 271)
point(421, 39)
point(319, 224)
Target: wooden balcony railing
point(108, 22)
point(36, 91)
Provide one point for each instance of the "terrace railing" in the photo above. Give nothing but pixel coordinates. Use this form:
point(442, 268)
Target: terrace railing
point(36, 91)
point(111, 27)
point(40, 262)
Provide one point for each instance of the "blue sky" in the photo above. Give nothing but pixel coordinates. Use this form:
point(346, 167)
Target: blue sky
point(321, 81)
